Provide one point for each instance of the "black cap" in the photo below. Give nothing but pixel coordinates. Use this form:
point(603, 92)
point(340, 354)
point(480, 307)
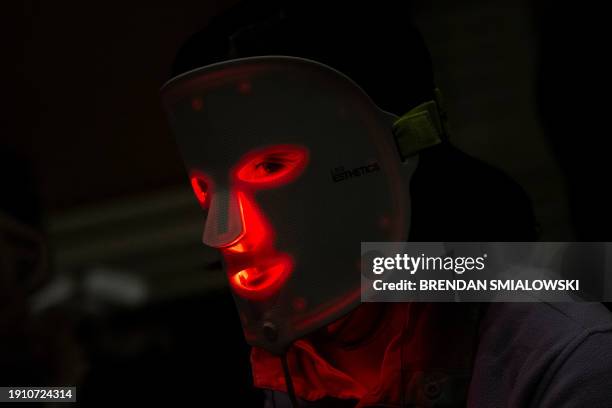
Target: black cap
point(378, 48)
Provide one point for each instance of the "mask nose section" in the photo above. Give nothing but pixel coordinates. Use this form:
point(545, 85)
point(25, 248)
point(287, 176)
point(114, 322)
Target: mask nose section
point(224, 223)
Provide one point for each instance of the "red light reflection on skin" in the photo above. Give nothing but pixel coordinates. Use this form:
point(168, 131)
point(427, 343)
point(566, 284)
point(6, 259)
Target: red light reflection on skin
point(255, 268)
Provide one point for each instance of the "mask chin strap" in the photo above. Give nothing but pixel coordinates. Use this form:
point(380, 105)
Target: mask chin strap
point(289, 381)
point(424, 126)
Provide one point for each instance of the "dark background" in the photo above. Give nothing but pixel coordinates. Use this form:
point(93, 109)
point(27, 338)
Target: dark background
point(131, 299)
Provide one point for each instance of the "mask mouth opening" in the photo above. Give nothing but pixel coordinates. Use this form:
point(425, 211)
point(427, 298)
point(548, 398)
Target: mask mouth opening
point(259, 275)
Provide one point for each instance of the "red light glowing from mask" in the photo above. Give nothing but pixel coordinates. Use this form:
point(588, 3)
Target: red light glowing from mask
point(264, 280)
point(244, 87)
point(255, 228)
point(197, 104)
point(200, 188)
point(272, 166)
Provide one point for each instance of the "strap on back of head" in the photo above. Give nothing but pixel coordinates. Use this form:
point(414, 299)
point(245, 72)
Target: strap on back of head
point(422, 127)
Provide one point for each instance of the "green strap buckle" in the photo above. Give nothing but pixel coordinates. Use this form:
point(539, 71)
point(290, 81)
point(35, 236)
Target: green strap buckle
point(420, 128)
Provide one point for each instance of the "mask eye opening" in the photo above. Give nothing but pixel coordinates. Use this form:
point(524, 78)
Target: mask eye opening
point(271, 166)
